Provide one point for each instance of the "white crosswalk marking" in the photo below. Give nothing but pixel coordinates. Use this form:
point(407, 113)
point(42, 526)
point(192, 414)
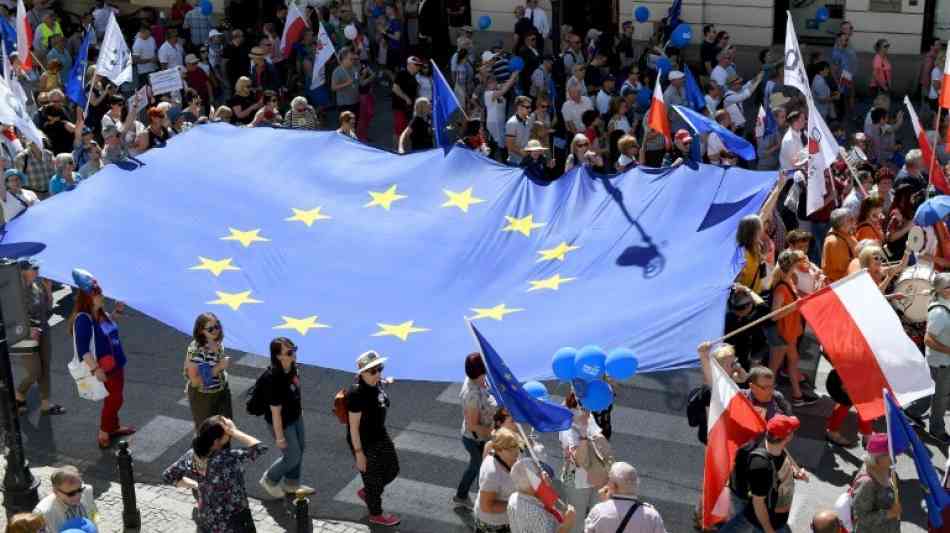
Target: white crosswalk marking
point(254, 361)
point(409, 497)
point(58, 296)
point(158, 435)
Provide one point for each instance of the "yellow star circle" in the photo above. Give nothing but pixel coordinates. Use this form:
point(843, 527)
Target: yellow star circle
point(302, 325)
point(216, 267)
point(245, 237)
point(308, 217)
point(234, 300)
point(498, 312)
point(553, 283)
point(462, 200)
point(522, 225)
point(384, 199)
point(400, 331)
point(559, 252)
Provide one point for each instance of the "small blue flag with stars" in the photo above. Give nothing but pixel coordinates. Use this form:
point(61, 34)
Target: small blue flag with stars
point(76, 84)
point(444, 104)
point(345, 248)
point(524, 408)
point(8, 33)
point(694, 94)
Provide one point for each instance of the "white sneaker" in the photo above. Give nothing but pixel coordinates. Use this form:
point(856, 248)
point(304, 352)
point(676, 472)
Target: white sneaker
point(270, 488)
point(296, 489)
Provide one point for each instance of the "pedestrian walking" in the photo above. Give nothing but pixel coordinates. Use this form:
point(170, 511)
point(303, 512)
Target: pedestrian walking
point(285, 417)
point(621, 509)
point(586, 452)
point(478, 410)
point(372, 447)
point(206, 369)
point(35, 351)
point(216, 471)
point(96, 339)
point(70, 499)
point(494, 482)
point(875, 503)
point(526, 513)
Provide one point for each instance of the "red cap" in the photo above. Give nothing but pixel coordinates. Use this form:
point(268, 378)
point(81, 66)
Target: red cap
point(781, 426)
point(683, 136)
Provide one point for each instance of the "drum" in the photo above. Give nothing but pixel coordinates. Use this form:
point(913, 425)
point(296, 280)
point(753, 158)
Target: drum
point(914, 284)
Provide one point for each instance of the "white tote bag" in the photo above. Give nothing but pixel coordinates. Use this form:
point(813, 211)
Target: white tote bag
point(89, 387)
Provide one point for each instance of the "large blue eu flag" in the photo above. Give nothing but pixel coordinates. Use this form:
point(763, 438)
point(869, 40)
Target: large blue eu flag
point(345, 248)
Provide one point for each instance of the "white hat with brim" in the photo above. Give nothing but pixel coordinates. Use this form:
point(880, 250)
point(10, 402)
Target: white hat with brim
point(487, 56)
point(676, 75)
point(534, 145)
point(368, 360)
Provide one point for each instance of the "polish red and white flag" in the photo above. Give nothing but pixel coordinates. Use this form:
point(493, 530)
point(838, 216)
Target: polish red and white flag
point(658, 118)
point(862, 336)
point(24, 37)
point(937, 177)
point(293, 30)
point(733, 421)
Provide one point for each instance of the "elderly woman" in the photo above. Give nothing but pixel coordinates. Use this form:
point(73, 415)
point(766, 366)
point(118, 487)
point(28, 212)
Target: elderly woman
point(65, 178)
point(526, 513)
point(301, 116)
point(223, 114)
point(418, 135)
point(13, 197)
point(581, 154)
point(478, 410)
point(580, 451)
point(244, 104)
point(494, 483)
point(838, 249)
point(875, 506)
point(206, 371)
point(872, 258)
point(789, 324)
point(94, 161)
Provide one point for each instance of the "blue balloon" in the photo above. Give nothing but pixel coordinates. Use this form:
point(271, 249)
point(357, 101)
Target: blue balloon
point(206, 7)
point(516, 64)
point(644, 98)
point(536, 389)
point(589, 363)
point(622, 364)
point(822, 14)
point(663, 65)
point(598, 396)
point(484, 22)
point(681, 35)
point(642, 13)
point(563, 363)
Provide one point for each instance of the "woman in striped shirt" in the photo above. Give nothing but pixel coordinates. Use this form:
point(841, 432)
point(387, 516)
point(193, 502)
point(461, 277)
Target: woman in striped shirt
point(206, 370)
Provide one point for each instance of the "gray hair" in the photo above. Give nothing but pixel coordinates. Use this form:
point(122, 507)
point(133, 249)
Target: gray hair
point(420, 102)
point(298, 101)
point(59, 93)
point(839, 217)
point(913, 157)
point(61, 160)
point(521, 473)
point(625, 476)
point(941, 281)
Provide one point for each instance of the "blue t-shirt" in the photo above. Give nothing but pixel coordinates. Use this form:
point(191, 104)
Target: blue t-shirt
point(394, 26)
point(58, 184)
point(109, 351)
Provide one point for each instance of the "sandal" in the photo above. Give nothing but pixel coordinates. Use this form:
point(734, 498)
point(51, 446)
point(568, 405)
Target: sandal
point(54, 409)
point(104, 443)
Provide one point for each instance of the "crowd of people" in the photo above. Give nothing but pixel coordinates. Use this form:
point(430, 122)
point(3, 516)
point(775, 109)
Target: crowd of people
point(586, 106)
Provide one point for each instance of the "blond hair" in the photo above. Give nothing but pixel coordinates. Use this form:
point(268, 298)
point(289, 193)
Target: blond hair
point(505, 439)
point(242, 86)
point(868, 253)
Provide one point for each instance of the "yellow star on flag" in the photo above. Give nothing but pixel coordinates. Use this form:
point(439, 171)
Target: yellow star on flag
point(498, 312)
point(215, 267)
point(234, 300)
point(401, 331)
point(552, 283)
point(462, 200)
point(302, 325)
point(308, 217)
point(384, 199)
point(522, 225)
point(244, 237)
point(559, 252)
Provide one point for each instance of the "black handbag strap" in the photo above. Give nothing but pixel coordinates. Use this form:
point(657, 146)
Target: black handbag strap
point(628, 516)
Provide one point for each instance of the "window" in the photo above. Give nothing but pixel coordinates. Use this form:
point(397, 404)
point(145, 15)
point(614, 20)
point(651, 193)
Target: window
point(885, 6)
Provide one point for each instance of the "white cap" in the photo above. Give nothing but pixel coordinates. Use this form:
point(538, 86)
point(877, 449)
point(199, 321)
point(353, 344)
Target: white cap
point(487, 56)
point(676, 75)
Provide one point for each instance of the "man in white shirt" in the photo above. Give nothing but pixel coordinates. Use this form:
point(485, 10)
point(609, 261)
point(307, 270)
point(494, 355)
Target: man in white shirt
point(675, 94)
point(605, 95)
point(13, 197)
point(794, 140)
point(713, 97)
point(70, 499)
point(574, 108)
point(144, 53)
point(716, 150)
point(720, 72)
point(172, 53)
point(538, 18)
point(541, 78)
point(736, 95)
point(623, 491)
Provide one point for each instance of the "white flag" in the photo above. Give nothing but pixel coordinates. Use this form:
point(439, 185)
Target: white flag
point(115, 60)
point(325, 51)
point(760, 122)
point(822, 146)
point(11, 77)
point(13, 111)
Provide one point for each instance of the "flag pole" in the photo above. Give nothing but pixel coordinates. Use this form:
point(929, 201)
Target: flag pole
point(95, 78)
point(933, 151)
point(842, 154)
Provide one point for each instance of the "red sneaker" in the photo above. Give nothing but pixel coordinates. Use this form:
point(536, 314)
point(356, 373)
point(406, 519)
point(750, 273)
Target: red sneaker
point(361, 494)
point(384, 520)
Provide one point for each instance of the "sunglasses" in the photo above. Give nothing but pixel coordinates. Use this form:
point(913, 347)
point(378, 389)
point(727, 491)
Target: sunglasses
point(211, 329)
point(72, 493)
point(375, 370)
point(291, 352)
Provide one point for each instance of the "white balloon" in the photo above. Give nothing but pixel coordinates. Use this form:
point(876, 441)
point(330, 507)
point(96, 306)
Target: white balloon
point(350, 32)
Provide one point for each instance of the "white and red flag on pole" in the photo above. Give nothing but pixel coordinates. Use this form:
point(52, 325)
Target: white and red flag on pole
point(864, 340)
point(293, 30)
point(325, 51)
point(937, 178)
point(945, 86)
point(24, 37)
point(733, 421)
point(657, 118)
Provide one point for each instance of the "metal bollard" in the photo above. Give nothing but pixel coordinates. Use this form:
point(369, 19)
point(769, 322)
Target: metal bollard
point(131, 518)
point(302, 513)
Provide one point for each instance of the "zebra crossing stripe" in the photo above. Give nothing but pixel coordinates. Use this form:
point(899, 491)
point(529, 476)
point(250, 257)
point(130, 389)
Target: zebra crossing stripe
point(157, 436)
point(407, 497)
point(254, 361)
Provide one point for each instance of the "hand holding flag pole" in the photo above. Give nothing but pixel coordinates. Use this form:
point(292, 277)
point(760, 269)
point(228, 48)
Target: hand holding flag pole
point(843, 155)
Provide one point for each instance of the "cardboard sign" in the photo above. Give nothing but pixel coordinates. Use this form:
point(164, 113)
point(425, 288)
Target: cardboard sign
point(165, 81)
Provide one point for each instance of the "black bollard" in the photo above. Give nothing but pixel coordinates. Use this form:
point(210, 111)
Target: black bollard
point(302, 513)
point(131, 518)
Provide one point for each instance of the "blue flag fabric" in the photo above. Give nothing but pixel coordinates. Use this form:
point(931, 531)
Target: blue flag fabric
point(444, 103)
point(76, 84)
point(702, 124)
point(903, 438)
point(8, 34)
point(771, 125)
point(541, 415)
point(694, 94)
point(674, 14)
point(345, 248)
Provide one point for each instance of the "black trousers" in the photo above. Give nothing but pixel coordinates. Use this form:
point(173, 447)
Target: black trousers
point(382, 467)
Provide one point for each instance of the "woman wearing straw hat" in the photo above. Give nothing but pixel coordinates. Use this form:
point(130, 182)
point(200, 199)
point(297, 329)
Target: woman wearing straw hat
point(96, 339)
point(372, 447)
point(537, 163)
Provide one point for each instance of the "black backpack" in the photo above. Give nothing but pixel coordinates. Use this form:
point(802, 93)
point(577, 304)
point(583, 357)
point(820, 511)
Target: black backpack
point(257, 401)
point(739, 479)
point(696, 402)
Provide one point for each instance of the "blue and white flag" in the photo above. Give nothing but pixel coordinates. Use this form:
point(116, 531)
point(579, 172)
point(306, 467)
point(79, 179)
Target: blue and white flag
point(694, 93)
point(76, 83)
point(115, 60)
point(702, 124)
point(444, 104)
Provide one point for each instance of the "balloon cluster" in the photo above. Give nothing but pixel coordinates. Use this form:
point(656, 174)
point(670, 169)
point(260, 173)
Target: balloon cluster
point(585, 369)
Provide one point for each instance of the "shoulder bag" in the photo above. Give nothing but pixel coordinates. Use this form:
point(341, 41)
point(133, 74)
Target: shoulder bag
point(90, 388)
